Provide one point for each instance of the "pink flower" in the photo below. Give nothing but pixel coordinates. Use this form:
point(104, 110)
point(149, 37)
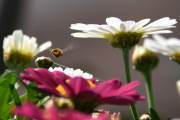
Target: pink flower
point(100, 113)
point(30, 110)
point(82, 91)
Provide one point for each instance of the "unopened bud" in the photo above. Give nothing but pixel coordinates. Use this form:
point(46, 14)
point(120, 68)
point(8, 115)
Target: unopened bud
point(63, 103)
point(178, 86)
point(60, 103)
point(144, 59)
point(44, 62)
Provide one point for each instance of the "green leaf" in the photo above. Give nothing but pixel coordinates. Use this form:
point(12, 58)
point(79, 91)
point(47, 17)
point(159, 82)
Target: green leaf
point(15, 96)
point(33, 93)
point(154, 115)
point(6, 83)
point(42, 101)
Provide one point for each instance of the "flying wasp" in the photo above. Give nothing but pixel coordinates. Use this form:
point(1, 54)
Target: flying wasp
point(58, 53)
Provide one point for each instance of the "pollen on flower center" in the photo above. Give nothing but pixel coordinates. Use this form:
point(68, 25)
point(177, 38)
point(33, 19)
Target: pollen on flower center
point(140, 28)
point(61, 90)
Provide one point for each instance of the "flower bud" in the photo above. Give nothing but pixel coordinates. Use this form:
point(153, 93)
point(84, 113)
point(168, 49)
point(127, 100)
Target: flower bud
point(44, 62)
point(145, 117)
point(178, 86)
point(144, 59)
point(60, 103)
point(114, 116)
point(63, 103)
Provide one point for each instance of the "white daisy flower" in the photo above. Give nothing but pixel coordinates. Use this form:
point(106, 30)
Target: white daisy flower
point(73, 73)
point(169, 47)
point(115, 25)
point(178, 86)
point(116, 29)
point(19, 49)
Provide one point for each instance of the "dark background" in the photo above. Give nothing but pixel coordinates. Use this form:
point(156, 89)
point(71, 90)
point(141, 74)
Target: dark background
point(51, 19)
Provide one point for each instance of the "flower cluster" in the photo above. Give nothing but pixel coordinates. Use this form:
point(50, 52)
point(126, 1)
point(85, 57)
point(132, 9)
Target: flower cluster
point(71, 94)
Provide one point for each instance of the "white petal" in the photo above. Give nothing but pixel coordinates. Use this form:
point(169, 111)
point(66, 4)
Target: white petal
point(51, 69)
point(77, 72)
point(78, 26)
point(159, 32)
point(87, 35)
point(169, 23)
point(153, 46)
point(128, 25)
point(122, 27)
point(18, 36)
point(94, 29)
point(159, 44)
point(140, 24)
point(152, 29)
point(44, 46)
point(109, 29)
point(159, 22)
point(173, 44)
point(115, 22)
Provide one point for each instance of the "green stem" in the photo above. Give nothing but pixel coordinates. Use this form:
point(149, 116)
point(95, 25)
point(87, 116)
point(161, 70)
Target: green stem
point(125, 53)
point(147, 75)
point(15, 96)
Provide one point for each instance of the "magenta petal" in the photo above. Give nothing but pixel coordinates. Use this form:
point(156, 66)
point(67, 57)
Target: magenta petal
point(60, 76)
point(107, 86)
point(48, 77)
point(38, 75)
point(28, 110)
point(118, 101)
point(131, 85)
point(126, 88)
point(79, 84)
point(88, 95)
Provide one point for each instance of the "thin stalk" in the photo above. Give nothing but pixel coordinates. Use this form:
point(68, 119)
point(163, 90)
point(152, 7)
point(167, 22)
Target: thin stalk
point(125, 53)
point(15, 97)
point(149, 90)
